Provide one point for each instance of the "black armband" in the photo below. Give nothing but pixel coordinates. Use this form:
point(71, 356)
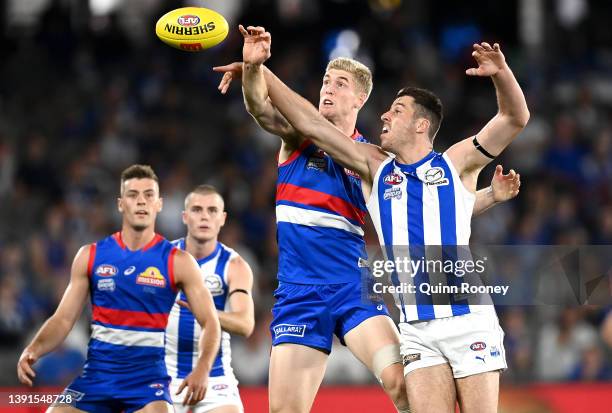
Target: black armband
point(238, 290)
point(481, 149)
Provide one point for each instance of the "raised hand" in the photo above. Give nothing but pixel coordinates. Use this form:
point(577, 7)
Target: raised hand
point(257, 44)
point(490, 60)
point(505, 187)
point(230, 72)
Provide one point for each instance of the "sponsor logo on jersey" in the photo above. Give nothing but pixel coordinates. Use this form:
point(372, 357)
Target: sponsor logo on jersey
point(106, 284)
point(393, 192)
point(317, 161)
point(435, 176)
point(214, 284)
point(393, 179)
point(129, 270)
point(220, 386)
point(296, 330)
point(352, 174)
point(478, 346)
point(494, 351)
point(188, 20)
point(106, 270)
point(159, 392)
point(411, 358)
point(152, 277)
point(156, 385)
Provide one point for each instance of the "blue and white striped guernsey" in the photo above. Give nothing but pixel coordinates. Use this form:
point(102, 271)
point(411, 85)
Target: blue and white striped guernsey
point(183, 331)
point(418, 205)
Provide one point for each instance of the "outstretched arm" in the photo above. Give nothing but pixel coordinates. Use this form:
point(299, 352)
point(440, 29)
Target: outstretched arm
point(254, 88)
point(188, 276)
point(503, 188)
point(511, 118)
point(56, 328)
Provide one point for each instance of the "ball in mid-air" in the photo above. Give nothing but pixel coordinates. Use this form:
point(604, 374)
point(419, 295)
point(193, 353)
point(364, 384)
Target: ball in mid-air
point(192, 28)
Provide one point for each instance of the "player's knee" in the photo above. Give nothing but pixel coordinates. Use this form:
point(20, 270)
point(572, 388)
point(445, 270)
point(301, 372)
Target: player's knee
point(393, 382)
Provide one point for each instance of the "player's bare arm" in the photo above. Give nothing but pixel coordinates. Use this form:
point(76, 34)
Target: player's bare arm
point(56, 328)
point(257, 43)
point(503, 188)
point(511, 118)
point(241, 320)
point(189, 279)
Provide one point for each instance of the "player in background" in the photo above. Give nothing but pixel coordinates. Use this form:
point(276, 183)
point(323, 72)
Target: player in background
point(132, 278)
point(452, 351)
point(230, 280)
point(320, 211)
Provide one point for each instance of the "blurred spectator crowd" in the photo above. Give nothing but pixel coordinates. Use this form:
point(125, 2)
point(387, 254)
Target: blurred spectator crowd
point(79, 104)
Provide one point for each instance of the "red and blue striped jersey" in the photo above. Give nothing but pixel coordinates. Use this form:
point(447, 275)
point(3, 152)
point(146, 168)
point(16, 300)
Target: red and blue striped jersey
point(320, 212)
point(132, 293)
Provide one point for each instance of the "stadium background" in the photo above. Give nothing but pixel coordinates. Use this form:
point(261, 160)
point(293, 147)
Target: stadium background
point(86, 89)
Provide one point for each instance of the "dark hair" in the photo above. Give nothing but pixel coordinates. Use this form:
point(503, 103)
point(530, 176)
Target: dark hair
point(427, 105)
point(138, 172)
point(204, 189)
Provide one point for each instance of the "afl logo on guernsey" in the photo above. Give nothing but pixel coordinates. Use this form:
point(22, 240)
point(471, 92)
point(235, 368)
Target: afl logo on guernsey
point(152, 277)
point(214, 284)
point(393, 179)
point(106, 270)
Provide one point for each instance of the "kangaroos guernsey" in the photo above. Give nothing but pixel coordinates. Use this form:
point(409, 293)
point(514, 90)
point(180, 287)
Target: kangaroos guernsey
point(183, 331)
point(132, 293)
point(320, 212)
point(418, 205)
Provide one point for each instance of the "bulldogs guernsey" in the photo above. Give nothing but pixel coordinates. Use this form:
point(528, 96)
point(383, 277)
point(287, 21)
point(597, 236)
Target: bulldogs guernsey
point(418, 205)
point(132, 293)
point(320, 211)
point(183, 333)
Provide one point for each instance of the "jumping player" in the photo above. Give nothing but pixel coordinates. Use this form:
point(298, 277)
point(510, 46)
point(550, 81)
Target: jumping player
point(229, 279)
point(132, 278)
point(320, 210)
point(416, 197)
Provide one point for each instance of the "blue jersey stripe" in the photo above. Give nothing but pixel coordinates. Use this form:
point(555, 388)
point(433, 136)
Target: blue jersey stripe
point(224, 257)
point(185, 342)
point(386, 223)
point(416, 242)
point(448, 229)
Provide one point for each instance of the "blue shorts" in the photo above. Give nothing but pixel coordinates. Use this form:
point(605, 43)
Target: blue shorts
point(310, 314)
point(98, 391)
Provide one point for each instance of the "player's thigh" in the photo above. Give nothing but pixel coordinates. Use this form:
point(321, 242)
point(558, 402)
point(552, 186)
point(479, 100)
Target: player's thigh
point(431, 389)
point(371, 336)
point(478, 393)
point(225, 409)
point(296, 372)
point(157, 406)
point(64, 409)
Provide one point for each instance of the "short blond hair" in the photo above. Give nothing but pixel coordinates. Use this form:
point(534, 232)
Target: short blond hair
point(361, 73)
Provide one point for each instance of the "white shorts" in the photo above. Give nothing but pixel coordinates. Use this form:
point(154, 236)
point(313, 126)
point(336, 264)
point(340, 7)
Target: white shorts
point(221, 391)
point(471, 344)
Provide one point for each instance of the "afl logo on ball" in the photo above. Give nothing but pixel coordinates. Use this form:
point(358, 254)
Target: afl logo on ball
point(188, 20)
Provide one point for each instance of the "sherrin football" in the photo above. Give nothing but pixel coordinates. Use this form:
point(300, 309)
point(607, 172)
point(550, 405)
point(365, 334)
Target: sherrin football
point(192, 28)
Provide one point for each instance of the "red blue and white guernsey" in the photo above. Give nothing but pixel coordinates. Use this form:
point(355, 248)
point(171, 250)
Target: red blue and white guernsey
point(183, 332)
point(132, 293)
point(320, 212)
